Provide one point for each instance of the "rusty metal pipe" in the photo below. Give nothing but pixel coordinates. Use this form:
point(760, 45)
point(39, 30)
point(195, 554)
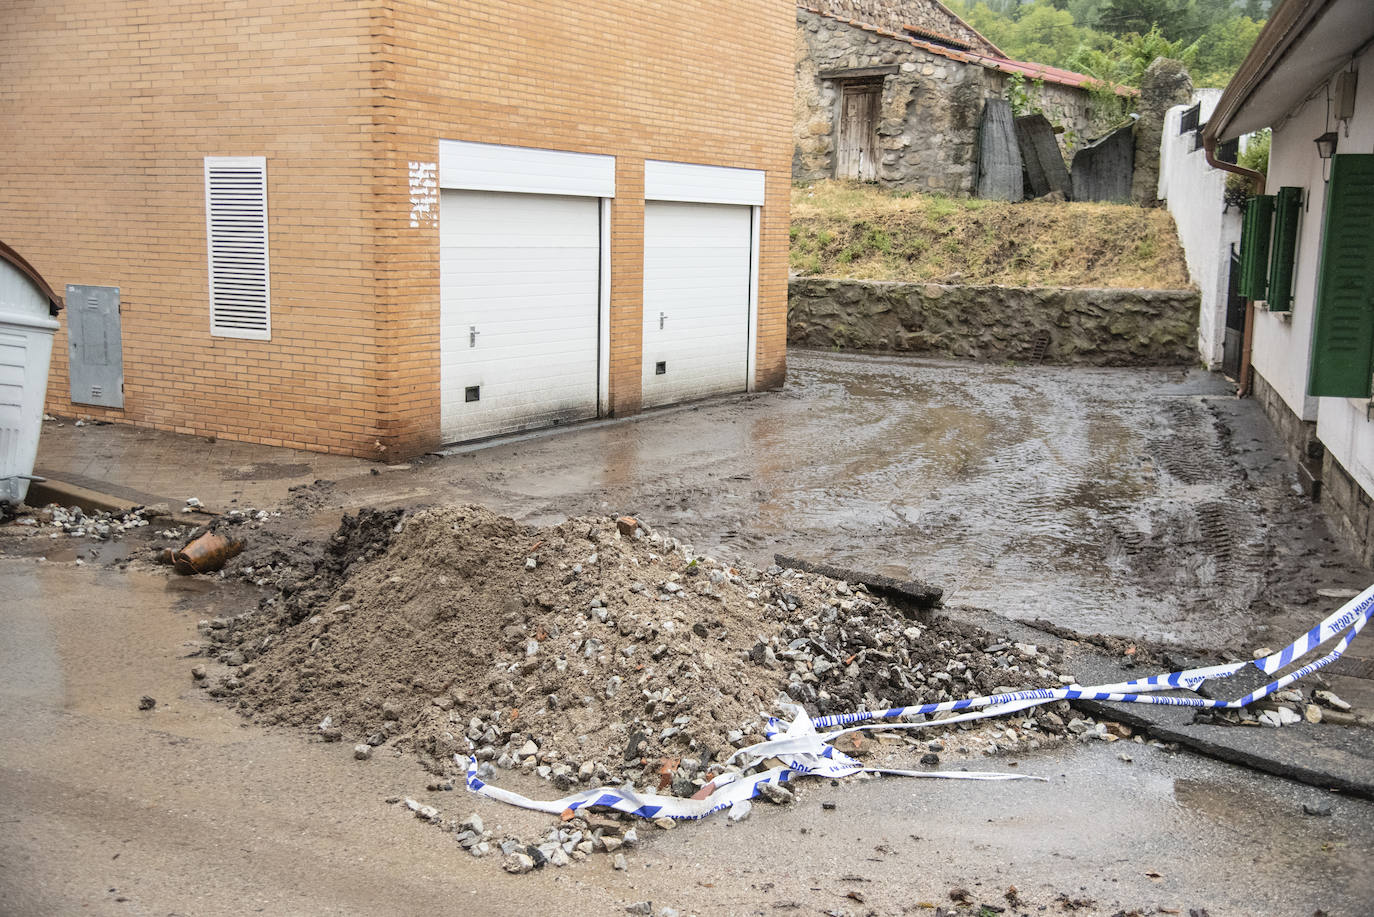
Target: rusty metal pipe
point(1209, 147)
point(206, 554)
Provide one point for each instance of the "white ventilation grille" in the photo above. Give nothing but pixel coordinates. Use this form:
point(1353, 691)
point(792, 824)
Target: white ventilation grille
point(236, 234)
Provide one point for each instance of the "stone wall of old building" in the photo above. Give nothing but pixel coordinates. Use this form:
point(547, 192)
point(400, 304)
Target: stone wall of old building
point(1074, 111)
point(895, 15)
point(931, 105)
point(928, 128)
point(1050, 324)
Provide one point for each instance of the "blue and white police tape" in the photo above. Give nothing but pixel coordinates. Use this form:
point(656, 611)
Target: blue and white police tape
point(805, 756)
point(724, 791)
point(805, 751)
point(1348, 620)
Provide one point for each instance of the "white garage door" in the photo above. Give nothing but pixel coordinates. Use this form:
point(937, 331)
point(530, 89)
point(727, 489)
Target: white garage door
point(519, 309)
point(696, 300)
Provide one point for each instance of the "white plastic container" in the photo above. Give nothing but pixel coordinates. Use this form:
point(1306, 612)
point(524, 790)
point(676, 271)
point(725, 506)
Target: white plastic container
point(27, 327)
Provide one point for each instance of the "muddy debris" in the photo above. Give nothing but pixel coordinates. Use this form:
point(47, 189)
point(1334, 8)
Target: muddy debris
point(920, 595)
point(74, 522)
point(613, 659)
point(207, 553)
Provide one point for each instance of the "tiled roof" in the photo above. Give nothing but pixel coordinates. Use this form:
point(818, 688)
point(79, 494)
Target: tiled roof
point(1027, 69)
point(936, 37)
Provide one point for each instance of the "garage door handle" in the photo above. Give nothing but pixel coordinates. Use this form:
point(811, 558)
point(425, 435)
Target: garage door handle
point(472, 335)
point(662, 317)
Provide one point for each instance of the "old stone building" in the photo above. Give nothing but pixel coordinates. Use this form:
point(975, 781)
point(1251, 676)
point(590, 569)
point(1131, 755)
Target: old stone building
point(892, 91)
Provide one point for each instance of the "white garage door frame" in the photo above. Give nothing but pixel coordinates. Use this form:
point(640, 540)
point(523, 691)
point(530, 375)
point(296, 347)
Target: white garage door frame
point(469, 166)
point(692, 183)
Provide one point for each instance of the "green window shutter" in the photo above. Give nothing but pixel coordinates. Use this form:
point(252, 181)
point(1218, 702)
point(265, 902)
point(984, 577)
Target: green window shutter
point(1254, 246)
point(1343, 327)
point(1287, 207)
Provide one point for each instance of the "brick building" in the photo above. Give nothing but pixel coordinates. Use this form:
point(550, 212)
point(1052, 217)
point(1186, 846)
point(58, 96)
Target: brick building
point(372, 228)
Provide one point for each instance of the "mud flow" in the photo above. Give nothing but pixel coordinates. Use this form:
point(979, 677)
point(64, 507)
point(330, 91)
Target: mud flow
point(597, 649)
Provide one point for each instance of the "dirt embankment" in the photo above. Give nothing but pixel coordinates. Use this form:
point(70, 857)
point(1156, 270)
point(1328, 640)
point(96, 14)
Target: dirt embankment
point(853, 231)
point(591, 651)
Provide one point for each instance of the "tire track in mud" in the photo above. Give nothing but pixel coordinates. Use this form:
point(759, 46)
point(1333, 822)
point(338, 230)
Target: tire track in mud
point(1207, 530)
point(1104, 500)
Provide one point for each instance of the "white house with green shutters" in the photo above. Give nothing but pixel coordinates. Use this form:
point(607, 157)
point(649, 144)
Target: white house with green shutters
point(1308, 243)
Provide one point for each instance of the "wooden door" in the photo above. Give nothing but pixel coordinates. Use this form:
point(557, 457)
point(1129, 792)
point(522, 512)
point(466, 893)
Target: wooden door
point(856, 154)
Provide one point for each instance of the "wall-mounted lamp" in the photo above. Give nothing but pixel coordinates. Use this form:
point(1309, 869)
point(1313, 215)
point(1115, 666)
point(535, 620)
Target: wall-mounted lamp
point(1326, 145)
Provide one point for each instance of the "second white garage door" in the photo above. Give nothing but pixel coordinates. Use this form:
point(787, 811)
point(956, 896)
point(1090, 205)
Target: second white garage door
point(697, 276)
point(520, 279)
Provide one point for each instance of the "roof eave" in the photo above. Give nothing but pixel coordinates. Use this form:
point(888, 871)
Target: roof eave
point(1286, 25)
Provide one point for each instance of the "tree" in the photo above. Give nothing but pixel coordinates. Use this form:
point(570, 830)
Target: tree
point(1041, 33)
point(1125, 60)
point(1173, 18)
point(1115, 40)
point(1221, 50)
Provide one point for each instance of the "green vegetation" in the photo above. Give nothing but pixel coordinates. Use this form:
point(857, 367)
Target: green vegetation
point(842, 229)
point(1255, 156)
point(1256, 153)
point(1115, 40)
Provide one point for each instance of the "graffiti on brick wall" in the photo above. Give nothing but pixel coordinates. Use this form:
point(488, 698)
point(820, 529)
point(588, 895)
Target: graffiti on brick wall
point(424, 195)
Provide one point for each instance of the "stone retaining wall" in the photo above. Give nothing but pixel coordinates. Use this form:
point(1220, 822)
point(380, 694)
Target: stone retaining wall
point(1027, 324)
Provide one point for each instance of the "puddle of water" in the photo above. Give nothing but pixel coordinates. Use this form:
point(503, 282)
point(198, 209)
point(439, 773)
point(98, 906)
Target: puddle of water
point(98, 552)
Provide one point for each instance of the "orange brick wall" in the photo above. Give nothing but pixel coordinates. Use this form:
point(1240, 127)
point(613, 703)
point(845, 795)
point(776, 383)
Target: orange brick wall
point(701, 82)
point(110, 109)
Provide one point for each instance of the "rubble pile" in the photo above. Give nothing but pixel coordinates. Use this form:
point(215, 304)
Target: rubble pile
point(596, 651)
point(155, 522)
point(74, 522)
point(571, 841)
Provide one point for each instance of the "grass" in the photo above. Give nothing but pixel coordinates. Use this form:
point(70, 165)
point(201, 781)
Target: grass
point(842, 229)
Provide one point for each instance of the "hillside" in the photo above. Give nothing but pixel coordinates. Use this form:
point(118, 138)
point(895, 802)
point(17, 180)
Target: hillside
point(855, 231)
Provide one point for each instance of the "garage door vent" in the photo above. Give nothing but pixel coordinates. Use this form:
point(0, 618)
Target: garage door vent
point(236, 235)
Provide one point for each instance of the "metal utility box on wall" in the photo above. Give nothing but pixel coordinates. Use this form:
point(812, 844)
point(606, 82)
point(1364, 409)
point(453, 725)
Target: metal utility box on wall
point(95, 346)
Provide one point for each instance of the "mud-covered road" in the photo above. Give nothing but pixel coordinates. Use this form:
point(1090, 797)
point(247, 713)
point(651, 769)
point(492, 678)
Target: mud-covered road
point(186, 809)
point(1146, 503)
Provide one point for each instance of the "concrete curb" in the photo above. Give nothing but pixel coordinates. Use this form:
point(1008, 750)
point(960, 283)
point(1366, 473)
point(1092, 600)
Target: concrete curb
point(41, 493)
point(1339, 758)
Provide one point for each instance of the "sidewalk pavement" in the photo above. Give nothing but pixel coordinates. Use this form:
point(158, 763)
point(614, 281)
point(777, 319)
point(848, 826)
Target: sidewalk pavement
point(152, 466)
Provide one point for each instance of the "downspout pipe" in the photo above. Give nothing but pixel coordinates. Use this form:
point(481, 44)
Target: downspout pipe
point(1256, 179)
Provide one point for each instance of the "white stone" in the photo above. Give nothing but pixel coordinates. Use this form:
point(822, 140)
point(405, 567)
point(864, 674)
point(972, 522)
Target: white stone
point(1331, 700)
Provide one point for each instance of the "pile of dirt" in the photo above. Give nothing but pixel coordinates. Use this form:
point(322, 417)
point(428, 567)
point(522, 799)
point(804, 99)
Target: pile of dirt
point(864, 233)
point(592, 651)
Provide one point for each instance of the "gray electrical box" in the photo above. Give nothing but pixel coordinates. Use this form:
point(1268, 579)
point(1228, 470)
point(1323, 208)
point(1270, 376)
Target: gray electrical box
point(95, 366)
